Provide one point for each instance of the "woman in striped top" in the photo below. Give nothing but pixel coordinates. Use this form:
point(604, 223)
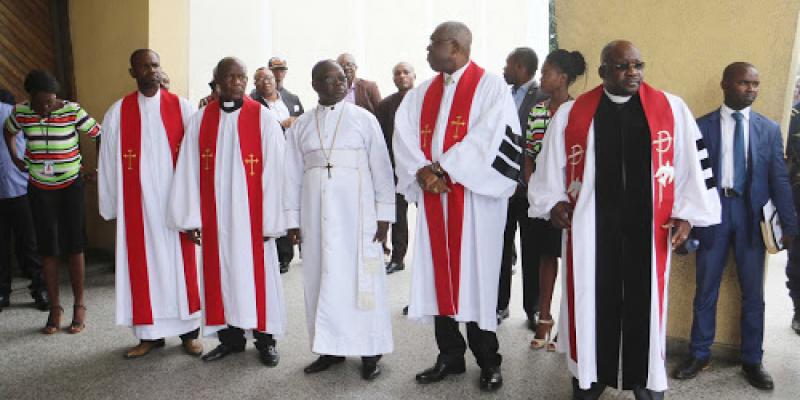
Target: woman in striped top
point(559, 71)
point(55, 187)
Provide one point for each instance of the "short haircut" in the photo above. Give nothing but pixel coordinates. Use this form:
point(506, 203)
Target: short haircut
point(7, 97)
point(527, 57)
point(141, 51)
point(733, 67)
point(39, 81)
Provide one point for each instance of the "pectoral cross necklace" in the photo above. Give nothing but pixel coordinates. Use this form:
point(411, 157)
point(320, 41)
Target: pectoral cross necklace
point(327, 154)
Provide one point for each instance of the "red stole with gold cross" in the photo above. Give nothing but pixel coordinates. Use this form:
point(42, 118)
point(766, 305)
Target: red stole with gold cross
point(130, 148)
point(445, 237)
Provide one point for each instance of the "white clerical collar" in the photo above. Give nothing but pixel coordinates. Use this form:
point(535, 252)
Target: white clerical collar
point(728, 112)
point(617, 99)
point(449, 79)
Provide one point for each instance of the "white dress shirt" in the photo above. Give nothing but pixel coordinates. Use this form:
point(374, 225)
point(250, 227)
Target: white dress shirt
point(727, 127)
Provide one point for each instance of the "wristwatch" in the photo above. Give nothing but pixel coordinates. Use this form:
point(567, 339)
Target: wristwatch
point(437, 170)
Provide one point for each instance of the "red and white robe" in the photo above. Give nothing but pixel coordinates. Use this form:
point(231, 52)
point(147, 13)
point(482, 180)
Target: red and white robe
point(468, 123)
point(682, 187)
point(228, 185)
point(156, 269)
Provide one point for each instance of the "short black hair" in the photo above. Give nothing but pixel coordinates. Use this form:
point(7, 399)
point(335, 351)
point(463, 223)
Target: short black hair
point(728, 72)
point(39, 81)
point(141, 51)
point(527, 57)
point(7, 97)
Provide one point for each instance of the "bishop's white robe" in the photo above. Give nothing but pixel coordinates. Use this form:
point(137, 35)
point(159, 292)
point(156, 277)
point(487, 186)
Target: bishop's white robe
point(695, 200)
point(347, 309)
point(168, 292)
point(237, 276)
point(486, 163)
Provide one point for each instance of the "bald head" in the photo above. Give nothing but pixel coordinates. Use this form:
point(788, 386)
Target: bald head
point(450, 47)
point(734, 69)
point(349, 66)
point(329, 81)
point(230, 75)
point(621, 68)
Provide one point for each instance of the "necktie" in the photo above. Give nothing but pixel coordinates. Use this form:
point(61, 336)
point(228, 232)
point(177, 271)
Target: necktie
point(739, 162)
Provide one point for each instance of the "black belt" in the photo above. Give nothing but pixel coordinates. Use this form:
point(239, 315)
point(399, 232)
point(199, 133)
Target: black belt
point(729, 192)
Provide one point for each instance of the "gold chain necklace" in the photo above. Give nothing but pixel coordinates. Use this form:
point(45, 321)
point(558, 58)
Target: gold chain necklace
point(327, 155)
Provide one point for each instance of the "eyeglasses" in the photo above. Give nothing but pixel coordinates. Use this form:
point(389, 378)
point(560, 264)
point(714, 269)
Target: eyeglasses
point(638, 65)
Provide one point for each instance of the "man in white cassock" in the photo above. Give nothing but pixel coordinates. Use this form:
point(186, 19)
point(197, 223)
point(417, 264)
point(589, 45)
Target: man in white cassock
point(457, 156)
point(156, 270)
point(228, 184)
point(339, 201)
point(624, 171)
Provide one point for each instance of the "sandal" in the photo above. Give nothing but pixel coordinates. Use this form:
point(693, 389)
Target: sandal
point(53, 323)
point(538, 343)
point(77, 325)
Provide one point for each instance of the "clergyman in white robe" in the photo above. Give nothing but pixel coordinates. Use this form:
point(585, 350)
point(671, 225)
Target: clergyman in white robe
point(337, 210)
point(486, 163)
point(169, 300)
point(234, 288)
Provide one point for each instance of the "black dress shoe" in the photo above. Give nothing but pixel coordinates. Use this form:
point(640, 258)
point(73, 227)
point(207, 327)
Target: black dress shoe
point(440, 371)
point(220, 352)
point(405, 310)
point(5, 301)
point(41, 301)
point(691, 368)
point(322, 363)
point(758, 376)
point(269, 356)
point(370, 370)
point(642, 393)
point(491, 379)
point(394, 266)
point(284, 267)
point(593, 393)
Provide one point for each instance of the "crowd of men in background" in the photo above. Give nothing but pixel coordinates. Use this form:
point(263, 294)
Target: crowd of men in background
point(252, 176)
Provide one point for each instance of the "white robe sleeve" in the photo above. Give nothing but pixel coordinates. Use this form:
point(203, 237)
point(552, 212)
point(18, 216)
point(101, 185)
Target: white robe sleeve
point(187, 111)
point(183, 211)
point(293, 175)
point(485, 159)
point(380, 168)
point(695, 200)
point(107, 163)
point(546, 186)
point(273, 147)
point(408, 156)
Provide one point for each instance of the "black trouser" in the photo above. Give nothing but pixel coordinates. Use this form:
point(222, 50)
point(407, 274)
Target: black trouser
point(233, 337)
point(184, 337)
point(16, 221)
point(518, 214)
point(400, 230)
point(285, 249)
point(452, 347)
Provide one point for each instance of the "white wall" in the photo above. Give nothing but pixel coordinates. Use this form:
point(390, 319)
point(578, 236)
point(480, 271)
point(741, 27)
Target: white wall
point(379, 33)
point(217, 29)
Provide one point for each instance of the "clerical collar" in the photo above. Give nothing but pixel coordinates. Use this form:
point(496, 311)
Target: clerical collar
point(231, 106)
point(455, 76)
point(617, 99)
point(331, 107)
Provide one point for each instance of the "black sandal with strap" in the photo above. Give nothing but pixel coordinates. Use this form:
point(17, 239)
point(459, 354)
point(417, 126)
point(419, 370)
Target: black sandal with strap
point(53, 324)
point(77, 325)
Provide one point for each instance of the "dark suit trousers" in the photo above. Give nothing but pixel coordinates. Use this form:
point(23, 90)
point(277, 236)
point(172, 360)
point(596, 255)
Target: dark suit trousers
point(734, 231)
point(518, 215)
point(285, 249)
point(793, 273)
point(452, 346)
point(16, 221)
point(400, 230)
point(233, 337)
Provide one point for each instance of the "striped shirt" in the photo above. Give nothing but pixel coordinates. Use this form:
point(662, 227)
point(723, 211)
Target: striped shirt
point(538, 119)
point(52, 151)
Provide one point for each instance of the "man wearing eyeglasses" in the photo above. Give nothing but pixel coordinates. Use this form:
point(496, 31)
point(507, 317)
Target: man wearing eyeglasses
point(360, 92)
point(622, 170)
